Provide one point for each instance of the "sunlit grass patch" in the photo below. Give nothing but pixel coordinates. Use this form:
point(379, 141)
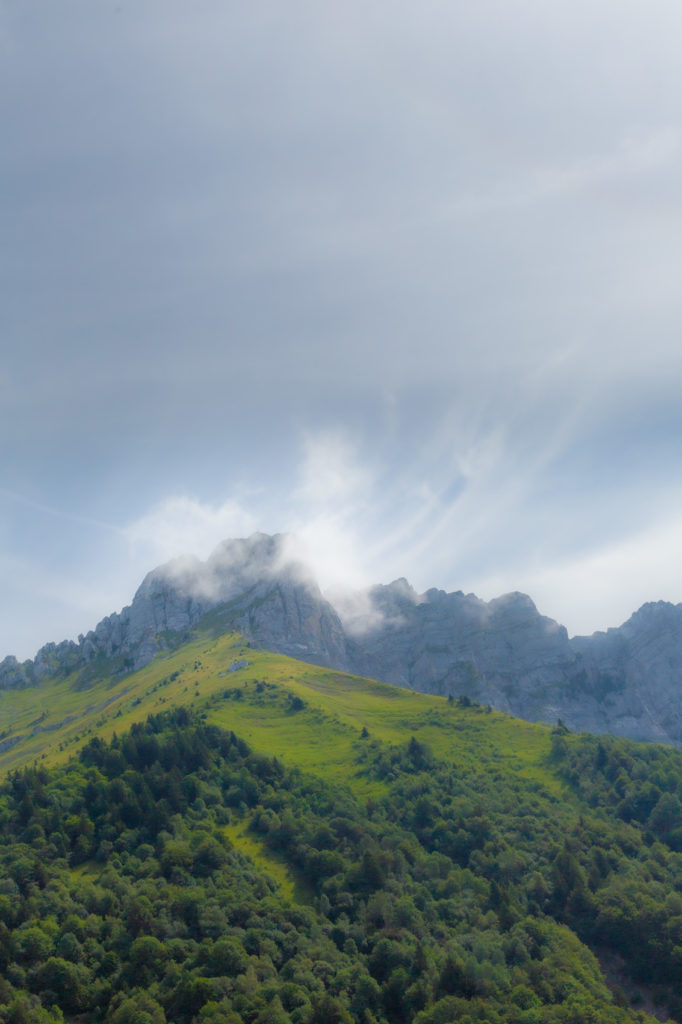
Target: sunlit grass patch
point(292, 885)
point(307, 716)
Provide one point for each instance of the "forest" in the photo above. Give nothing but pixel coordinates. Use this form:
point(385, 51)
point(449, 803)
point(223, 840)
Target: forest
point(456, 892)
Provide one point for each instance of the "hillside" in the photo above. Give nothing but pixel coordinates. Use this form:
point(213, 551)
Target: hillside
point(501, 652)
point(281, 842)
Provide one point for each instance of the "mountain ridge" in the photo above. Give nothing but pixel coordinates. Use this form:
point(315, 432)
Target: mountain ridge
point(503, 652)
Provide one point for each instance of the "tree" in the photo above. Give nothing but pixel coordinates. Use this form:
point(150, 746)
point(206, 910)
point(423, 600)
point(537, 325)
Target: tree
point(139, 1008)
point(69, 985)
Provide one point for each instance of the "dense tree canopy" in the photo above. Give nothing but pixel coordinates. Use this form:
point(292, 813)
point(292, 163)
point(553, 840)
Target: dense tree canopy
point(458, 895)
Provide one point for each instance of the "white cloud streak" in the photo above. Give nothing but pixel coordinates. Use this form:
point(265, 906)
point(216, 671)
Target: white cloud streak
point(181, 525)
point(353, 531)
point(452, 543)
point(409, 273)
point(602, 587)
point(587, 176)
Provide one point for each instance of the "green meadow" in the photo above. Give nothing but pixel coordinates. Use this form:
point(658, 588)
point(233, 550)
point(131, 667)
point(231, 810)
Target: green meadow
point(306, 716)
point(49, 723)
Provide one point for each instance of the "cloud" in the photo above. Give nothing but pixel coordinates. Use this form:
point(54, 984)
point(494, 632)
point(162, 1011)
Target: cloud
point(67, 516)
point(632, 158)
point(409, 272)
point(330, 474)
point(602, 586)
point(475, 521)
point(44, 604)
point(180, 525)
point(327, 509)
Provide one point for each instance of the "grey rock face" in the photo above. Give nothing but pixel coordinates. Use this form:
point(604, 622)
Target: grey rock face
point(259, 589)
point(627, 681)
point(639, 673)
point(14, 675)
point(456, 643)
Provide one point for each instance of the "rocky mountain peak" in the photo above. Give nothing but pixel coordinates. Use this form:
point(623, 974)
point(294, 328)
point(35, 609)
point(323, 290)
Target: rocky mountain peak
point(232, 567)
point(654, 615)
point(514, 603)
point(501, 652)
point(268, 594)
point(392, 599)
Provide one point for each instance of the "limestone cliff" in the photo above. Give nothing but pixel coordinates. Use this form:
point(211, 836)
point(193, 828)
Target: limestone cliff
point(259, 589)
point(627, 681)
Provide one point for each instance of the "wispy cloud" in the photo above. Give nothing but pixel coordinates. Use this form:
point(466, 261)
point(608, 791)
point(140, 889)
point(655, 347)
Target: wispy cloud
point(182, 525)
point(327, 508)
point(59, 513)
point(470, 526)
point(329, 473)
point(602, 585)
point(632, 158)
point(412, 282)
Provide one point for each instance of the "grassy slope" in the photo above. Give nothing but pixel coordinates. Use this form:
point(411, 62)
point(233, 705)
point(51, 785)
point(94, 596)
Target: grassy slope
point(55, 719)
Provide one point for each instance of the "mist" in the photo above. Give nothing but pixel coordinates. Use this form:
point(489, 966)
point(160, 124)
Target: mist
point(402, 283)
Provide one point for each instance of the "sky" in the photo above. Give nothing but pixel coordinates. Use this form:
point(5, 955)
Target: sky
point(402, 279)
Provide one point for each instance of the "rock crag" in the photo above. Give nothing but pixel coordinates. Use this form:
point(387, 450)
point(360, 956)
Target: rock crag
point(259, 589)
point(627, 681)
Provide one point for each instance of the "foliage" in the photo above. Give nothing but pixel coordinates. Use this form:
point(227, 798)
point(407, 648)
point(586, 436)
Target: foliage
point(459, 892)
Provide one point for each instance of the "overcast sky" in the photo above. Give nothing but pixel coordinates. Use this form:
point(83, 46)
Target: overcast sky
point(403, 278)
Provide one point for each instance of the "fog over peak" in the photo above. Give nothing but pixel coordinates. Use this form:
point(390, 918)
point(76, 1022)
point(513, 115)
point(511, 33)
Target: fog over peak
point(231, 567)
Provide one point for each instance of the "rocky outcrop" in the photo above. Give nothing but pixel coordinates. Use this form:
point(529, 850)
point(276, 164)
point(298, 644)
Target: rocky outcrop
point(457, 644)
point(627, 681)
point(637, 673)
point(258, 588)
point(14, 675)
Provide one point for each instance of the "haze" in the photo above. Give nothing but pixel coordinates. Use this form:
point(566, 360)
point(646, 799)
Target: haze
point(402, 279)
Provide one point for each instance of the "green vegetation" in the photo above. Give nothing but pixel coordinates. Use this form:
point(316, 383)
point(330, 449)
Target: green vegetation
point(49, 723)
point(232, 836)
point(123, 897)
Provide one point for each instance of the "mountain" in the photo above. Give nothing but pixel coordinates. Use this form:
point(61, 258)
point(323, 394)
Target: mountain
point(626, 681)
point(231, 836)
point(260, 589)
